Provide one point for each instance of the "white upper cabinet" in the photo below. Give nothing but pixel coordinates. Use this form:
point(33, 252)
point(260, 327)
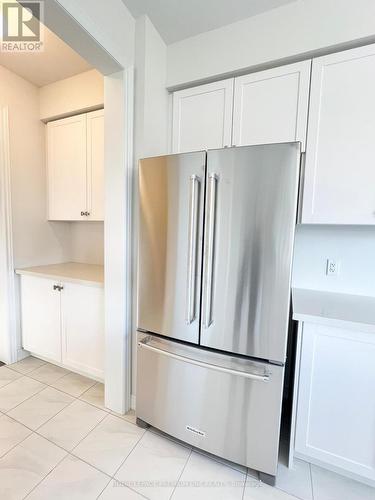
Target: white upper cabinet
point(75, 164)
point(66, 161)
point(202, 117)
point(340, 158)
point(271, 106)
point(95, 165)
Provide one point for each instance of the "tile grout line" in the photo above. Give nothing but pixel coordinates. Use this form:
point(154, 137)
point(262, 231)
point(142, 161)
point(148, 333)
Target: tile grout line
point(180, 476)
point(41, 425)
point(103, 490)
point(80, 441)
point(61, 390)
point(67, 452)
point(244, 487)
point(103, 408)
point(85, 436)
point(24, 401)
point(48, 473)
point(127, 456)
point(40, 366)
point(14, 446)
point(312, 483)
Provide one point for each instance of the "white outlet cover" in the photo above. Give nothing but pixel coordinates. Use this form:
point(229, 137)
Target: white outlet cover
point(333, 267)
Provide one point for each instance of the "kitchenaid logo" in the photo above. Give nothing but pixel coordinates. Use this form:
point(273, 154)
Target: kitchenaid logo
point(195, 431)
point(22, 30)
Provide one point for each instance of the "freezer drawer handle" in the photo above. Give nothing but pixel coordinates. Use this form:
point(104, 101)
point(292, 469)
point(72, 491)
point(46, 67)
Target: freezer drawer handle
point(209, 251)
point(253, 376)
point(192, 250)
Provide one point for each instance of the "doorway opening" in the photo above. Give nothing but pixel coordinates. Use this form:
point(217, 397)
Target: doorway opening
point(59, 161)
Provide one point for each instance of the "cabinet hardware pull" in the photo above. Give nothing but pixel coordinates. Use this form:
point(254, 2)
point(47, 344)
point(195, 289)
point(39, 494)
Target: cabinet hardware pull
point(58, 287)
point(82, 214)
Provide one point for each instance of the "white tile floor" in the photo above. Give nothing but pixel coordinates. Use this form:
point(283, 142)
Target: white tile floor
point(57, 441)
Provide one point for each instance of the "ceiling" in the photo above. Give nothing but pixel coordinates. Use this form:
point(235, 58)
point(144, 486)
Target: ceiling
point(56, 62)
point(178, 19)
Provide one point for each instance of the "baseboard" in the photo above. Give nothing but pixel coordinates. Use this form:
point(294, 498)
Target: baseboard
point(333, 468)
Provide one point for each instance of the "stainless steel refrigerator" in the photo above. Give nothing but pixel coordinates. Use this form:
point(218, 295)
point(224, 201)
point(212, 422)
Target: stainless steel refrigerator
point(216, 236)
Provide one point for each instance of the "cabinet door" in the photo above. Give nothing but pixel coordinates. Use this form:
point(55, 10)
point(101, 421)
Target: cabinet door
point(66, 160)
point(40, 317)
point(271, 106)
point(95, 165)
point(83, 329)
point(340, 156)
point(336, 406)
point(202, 117)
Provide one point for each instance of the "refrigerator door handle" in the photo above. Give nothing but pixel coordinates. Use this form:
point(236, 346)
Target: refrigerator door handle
point(192, 250)
point(145, 345)
point(209, 250)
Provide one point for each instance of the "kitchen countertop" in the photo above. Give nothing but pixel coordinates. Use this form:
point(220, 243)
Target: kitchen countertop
point(74, 272)
point(334, 309)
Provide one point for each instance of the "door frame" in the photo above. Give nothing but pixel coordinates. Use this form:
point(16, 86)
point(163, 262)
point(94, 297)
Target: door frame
point(8, 330)
point(119, 171)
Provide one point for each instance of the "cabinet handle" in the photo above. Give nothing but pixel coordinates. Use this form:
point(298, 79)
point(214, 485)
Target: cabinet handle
point(58, 287)
point(82, 214)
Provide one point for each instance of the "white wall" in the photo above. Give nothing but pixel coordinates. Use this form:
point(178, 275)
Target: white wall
point(35, 240)
point(297, 28)
point(151, 96)
point(79, 93)
point(151, 121)
point(87, 242)
point(352, 246)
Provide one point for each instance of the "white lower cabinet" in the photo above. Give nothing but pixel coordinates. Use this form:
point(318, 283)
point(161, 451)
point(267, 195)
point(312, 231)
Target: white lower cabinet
point(83, 328)
point(41, 317)
point(63, 322)
point(335, 422)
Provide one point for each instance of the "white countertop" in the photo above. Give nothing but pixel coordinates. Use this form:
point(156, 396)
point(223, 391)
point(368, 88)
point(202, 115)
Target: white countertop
point(74, 272)
point(334, 309)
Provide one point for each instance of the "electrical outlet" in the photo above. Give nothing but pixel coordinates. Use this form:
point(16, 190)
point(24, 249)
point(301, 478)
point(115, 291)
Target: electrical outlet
point(333, 267)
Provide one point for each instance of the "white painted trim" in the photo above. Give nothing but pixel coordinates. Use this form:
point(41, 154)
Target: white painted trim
point(7, 317)
point(119, 172)
point(133, 402)
point(295, 396)
point(72, 24)
point(118, 178)
point(333, 468)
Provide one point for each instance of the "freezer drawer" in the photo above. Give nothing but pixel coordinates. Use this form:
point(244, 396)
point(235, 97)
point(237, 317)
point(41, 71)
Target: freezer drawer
point(224, 405)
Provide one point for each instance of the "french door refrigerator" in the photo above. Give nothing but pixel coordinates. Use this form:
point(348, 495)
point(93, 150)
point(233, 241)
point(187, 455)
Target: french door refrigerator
point(216, 234)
